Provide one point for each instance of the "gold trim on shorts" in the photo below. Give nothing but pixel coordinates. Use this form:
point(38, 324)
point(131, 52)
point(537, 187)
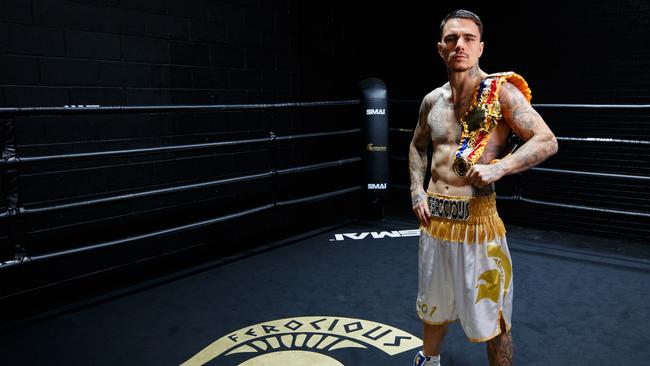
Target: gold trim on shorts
point(499, 331)
point(435, 323)
point(481, 225)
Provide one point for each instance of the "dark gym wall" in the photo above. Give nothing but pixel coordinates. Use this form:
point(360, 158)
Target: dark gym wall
point(569, 52)
point(117, 52)
point(56, 52)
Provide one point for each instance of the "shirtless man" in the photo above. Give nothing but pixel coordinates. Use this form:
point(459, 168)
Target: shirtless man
point(465, 270)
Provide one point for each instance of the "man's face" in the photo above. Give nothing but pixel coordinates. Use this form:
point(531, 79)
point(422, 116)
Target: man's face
point(460, 46)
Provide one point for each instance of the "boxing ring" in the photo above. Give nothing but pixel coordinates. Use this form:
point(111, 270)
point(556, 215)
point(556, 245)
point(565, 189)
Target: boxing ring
point(341, 292)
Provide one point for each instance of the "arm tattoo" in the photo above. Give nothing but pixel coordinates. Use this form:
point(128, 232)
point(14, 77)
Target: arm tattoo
point(418, 154)
point(529, 125)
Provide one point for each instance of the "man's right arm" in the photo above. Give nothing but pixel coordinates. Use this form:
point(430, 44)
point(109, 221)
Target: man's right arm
point(418, 163)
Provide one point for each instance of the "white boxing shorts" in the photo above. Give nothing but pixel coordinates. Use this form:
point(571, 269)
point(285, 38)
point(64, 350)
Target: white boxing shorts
point(465, 269)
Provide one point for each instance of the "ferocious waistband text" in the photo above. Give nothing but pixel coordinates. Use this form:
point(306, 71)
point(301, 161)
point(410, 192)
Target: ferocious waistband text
point(451, 209)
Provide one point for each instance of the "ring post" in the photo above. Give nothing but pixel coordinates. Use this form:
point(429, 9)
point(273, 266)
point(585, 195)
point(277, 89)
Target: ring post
point(374, 106)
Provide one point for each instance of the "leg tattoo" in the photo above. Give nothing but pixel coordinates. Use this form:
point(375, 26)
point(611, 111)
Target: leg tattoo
point(499, 349)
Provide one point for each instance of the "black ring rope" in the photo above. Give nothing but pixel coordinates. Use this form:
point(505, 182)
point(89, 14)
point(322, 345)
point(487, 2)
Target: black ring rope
point(317, 134)
point(130, 196)
point(564, 138)
point(97, 109)
point(151, 235)
point(318, 197)
point(556, 204)
point(179, 229)
point(593, 106)
point(553, 105)
point(576, 207)
point(603, 139)
point(568, 172)
point(156, 150)
point(183, 188)
point(118, 153)
point(311, 167)
point(591, 174)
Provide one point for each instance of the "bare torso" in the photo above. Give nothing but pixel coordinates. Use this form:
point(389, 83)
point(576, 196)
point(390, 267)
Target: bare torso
point(443, 121)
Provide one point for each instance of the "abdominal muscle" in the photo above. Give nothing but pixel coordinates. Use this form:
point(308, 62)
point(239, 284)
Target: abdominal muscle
point(445, 181)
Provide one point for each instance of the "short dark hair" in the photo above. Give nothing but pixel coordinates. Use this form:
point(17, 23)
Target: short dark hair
point(465, 14)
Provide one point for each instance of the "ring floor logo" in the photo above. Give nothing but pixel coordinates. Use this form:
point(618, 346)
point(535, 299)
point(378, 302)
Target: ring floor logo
point(299, 341)
point(375, 235)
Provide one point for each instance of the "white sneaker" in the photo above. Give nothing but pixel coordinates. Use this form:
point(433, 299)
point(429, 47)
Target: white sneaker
point(422, 360)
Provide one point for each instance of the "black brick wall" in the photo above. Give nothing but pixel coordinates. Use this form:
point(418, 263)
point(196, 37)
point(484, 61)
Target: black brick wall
point(569, 52)
point(55, 52)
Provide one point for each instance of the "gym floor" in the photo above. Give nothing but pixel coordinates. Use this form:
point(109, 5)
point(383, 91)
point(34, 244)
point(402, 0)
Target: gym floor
point(345, 295)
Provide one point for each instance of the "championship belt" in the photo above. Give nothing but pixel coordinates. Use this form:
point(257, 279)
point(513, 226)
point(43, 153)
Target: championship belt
point(482, 118)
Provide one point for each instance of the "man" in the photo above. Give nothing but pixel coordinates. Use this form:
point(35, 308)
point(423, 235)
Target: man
point(465, 272)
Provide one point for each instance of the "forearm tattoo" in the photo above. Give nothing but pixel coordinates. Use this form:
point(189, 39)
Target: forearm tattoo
point(417, 170)
point(418, 156)
point(417, 197)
